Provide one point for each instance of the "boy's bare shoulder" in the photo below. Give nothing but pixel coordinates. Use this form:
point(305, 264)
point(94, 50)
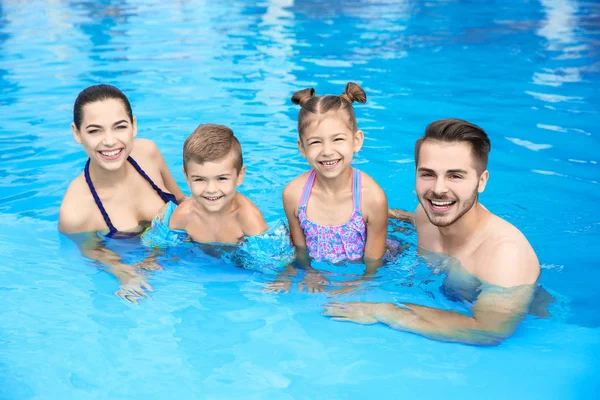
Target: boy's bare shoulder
point(77, 203)
point(249, 216)
point(182, 214)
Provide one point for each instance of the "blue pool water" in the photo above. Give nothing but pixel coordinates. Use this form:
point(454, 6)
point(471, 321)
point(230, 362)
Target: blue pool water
point(528, 72)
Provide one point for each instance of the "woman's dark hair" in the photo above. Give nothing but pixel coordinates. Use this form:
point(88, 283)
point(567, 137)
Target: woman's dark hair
point(98, 93)
point(312, 105)
point(457, 130)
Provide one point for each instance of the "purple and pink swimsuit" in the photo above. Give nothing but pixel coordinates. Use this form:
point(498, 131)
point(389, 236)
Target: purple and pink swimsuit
point(339, 242)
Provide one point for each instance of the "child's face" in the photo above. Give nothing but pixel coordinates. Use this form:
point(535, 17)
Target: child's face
point(213, 184)
point(328, 144)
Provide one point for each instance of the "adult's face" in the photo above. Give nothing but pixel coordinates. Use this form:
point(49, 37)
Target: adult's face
point(106, 133)
point(447, 182)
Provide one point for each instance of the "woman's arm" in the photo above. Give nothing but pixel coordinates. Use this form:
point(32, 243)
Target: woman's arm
point(133, 285)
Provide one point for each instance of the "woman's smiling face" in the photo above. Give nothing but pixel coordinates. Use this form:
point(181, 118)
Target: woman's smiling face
point(106, 133)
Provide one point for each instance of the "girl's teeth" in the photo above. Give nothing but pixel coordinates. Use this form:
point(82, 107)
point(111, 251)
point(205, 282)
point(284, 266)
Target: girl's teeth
point(111, 153)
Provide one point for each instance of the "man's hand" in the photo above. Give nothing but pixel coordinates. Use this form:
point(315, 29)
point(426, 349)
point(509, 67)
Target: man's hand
point(362, 313)
point(401, 215)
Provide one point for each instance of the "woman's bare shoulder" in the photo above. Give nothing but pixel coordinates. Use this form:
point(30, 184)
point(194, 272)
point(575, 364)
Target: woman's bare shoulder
point(76, 206)
point(145, 150)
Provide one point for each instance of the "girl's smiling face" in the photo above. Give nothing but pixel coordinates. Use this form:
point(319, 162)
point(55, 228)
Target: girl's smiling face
point(328, 144)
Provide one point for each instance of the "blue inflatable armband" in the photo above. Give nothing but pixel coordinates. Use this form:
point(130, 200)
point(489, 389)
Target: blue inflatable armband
point(267, 252)
point(158, 235)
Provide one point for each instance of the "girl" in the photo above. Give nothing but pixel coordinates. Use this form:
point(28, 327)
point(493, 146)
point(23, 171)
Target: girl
point(125, 182)
point(334, 211)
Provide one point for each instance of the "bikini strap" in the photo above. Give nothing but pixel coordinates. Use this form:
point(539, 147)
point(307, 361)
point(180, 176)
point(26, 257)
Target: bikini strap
point(143, 174)
point(86, 172)
point(308, 185)
point(356, 188)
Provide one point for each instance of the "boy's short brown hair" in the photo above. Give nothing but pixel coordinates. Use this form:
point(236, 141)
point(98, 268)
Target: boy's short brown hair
point(211, 142)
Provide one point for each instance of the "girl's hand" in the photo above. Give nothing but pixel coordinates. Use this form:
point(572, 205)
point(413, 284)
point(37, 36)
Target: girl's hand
point(314, 282)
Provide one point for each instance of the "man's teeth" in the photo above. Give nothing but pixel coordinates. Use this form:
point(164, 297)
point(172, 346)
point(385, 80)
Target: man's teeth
point(441, 203)
point(111, 153)
point(329, 163)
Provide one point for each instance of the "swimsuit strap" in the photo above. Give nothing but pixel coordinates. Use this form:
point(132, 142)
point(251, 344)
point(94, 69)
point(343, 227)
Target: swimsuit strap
point(356, 188)
point(308, 185)
point(143, 174)
point(111, 227)
point(166, 197)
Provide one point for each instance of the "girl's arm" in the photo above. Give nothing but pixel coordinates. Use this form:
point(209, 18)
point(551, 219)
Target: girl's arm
point(375, 208)
point(291, 200)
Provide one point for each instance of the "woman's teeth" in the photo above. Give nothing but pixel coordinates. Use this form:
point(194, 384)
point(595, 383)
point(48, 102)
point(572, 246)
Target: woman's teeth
point(111, 153)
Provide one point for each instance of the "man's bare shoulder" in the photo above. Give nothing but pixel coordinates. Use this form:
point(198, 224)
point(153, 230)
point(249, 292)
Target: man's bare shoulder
point(507, 255)
point(427, 233)
point(74, 213)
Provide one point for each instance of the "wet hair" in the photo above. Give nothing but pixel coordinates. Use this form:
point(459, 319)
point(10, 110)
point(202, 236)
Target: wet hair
point(312, 105)
point(457, 130)
point(96, 93)
point(212, 142)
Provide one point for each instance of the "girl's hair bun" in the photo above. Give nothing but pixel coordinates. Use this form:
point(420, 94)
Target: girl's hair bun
point(354, 93)
point(303, 96)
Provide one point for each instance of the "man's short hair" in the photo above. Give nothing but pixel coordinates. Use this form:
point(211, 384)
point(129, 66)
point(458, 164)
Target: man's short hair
point(212, 142)
point(457, 130)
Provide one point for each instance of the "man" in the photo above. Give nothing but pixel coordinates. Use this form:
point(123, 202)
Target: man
point(451, 162)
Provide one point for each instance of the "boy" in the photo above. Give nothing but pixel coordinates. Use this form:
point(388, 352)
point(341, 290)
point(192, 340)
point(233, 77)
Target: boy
point(213, 167)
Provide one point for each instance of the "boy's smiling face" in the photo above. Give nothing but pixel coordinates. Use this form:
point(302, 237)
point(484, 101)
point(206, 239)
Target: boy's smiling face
point(214, 183)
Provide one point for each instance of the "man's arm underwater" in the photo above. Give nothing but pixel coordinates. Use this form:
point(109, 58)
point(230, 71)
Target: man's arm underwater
point(498, 310)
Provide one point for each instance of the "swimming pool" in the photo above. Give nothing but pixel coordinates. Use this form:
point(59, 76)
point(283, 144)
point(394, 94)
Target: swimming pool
point(524, 71)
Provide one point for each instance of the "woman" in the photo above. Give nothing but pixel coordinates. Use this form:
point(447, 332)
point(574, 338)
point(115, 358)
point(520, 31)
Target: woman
point(125, 182)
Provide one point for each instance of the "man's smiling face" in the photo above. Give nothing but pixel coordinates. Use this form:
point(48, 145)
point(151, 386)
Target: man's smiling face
point(447, 182)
